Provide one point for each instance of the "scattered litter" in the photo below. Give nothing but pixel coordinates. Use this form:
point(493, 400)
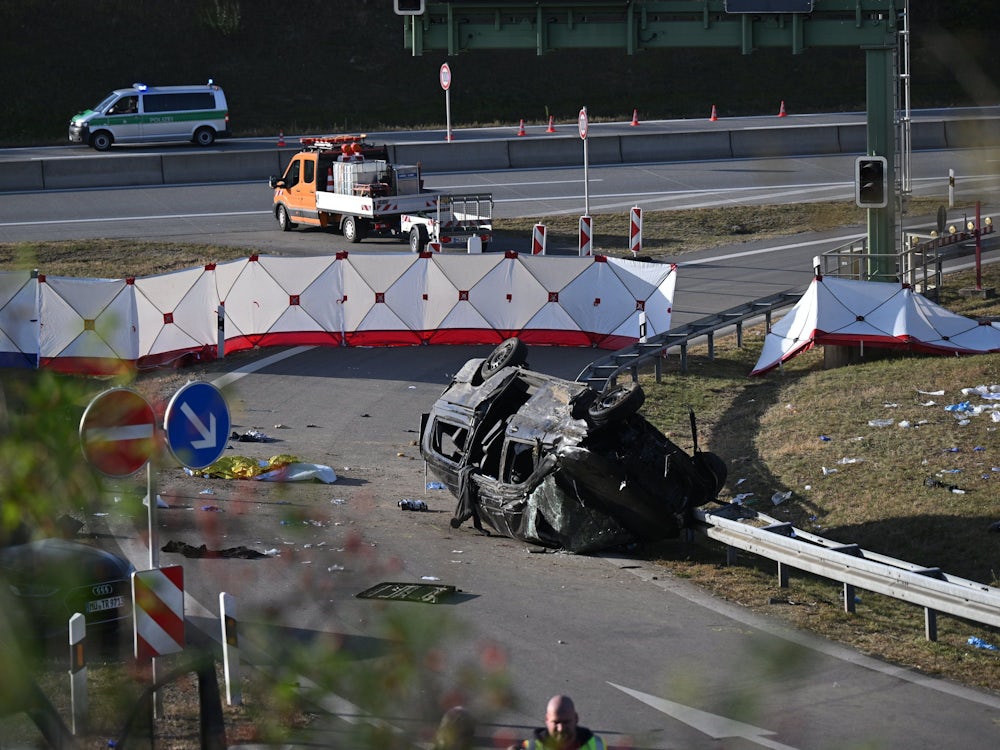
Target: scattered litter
point(827, 472)
point(251, 436)
point(211, 508)
point(243, 553)
point(272, 553)
point(961, 407)
point(429, 578)
point(280, 426)
point(409, 504)
point(929, 403)
point(742, 497)
point(881, 422)
point(160, 502)
point(979, 448)
point(807, 487)
point(980, 643)
point(410, 592)
point(338, 501)
point(740, 481)
point(335, 569)
point(825, 438)
point(312, 425)
point(208, 491)
point(779, 497)
point(890, 406)
point(931, 393)
point(953, 449)
point(435, 486)
point(845, 461)
point(954, 488)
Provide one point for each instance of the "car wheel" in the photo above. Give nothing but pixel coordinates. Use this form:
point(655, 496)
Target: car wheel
point(418, 238)
point(511, 352)
point(284, 220)
point(616, 404)
point(204, 137)
point(352, 229)
point(101, 140)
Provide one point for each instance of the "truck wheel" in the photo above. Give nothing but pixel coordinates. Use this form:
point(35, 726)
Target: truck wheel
point(352, 229)
point(284, 220)
point(204, 137)
point(101, 140)
point(418, 238)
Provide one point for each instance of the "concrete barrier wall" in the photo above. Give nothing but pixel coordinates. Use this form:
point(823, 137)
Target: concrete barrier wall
point(218, 165)
point(696, 145)
point(765, 142)
point(115, 170)
point(16, 176)
point(453, 156)
point(222, 167)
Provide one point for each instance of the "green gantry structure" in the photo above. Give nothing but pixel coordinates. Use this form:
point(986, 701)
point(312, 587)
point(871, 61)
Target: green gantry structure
point(876, 27)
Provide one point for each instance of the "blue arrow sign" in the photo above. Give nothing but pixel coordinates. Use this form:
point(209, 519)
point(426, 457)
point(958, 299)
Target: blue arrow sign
point(197, 425)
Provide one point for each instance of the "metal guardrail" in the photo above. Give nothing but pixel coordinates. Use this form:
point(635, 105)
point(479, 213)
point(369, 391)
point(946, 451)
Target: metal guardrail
point(790, 547)
point(604, 372)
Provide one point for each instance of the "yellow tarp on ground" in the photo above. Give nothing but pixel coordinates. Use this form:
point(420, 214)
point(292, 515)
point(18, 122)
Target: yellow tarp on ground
point(242, 467)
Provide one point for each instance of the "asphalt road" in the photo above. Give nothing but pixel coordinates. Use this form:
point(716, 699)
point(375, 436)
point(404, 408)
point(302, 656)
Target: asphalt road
point(646, 656)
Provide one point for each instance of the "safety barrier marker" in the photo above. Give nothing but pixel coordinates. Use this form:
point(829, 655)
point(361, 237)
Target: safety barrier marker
point(78, 672)
point(230, 649)
point(635, 230)
point(538, 240)
point(158, 599)
point(586, 236)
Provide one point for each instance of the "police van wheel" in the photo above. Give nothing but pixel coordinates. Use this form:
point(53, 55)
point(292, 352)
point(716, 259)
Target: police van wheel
point(284, 220)
point(204, 137)
point(101, 140)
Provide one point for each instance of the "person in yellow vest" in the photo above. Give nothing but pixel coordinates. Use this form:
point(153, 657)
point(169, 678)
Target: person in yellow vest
point(562, 730)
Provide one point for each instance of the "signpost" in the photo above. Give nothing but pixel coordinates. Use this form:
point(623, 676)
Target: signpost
point(445, 77)
point(585, 219)
point(197, 425)
point(118, 432)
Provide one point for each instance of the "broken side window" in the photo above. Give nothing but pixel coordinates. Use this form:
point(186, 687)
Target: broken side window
point(449, 440)
point(519, 462)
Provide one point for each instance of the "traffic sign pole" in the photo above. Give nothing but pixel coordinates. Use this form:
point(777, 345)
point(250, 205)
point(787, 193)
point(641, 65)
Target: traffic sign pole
point(444, 77)
point(584, 126)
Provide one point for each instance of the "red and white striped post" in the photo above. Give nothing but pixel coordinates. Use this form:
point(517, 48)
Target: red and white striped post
point(586, 236)
point(158, 615)
point(538, 240)
point(635, 231)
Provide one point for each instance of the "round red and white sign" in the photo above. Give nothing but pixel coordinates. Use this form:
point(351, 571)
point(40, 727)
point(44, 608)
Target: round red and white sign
point(445, 76)
point(583, 122)
point(118, 432)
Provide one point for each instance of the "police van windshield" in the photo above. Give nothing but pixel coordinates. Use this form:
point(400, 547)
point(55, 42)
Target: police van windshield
point(106, 102)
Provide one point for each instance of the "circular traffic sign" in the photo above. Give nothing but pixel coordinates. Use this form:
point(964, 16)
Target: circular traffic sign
point(445, 76)
point(197, 425)
point(118, 432)
point(583, 122)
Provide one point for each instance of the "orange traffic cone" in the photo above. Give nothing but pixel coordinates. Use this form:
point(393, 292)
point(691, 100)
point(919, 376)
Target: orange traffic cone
point(521, 129)
point(715, 115)
point(329, 179)
point(781, 110)
point(281, 138)
point(551, 128)
point(635, 118)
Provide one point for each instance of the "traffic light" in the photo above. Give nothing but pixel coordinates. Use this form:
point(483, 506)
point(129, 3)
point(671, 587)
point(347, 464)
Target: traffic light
point(409, 7)
point(869, 186)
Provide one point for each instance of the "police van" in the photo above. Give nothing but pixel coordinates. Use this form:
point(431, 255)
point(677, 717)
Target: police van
point(142, 114)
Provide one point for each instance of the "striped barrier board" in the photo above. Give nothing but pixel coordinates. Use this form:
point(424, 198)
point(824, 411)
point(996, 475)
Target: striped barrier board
point(635, 230)
point(538, 240)
point(586, 236)
point(158, 601)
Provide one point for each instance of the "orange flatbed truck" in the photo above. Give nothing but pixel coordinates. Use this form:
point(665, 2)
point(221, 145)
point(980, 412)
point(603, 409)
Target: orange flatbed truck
point(345, 184)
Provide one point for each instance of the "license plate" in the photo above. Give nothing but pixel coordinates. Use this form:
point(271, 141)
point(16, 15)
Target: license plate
point(102, 605)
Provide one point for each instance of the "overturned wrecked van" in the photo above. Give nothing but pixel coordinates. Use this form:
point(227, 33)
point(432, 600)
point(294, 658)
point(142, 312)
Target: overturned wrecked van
point(556, 463)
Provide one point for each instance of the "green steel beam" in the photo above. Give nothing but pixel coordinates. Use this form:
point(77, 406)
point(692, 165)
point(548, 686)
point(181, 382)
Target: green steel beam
point(635, 25)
